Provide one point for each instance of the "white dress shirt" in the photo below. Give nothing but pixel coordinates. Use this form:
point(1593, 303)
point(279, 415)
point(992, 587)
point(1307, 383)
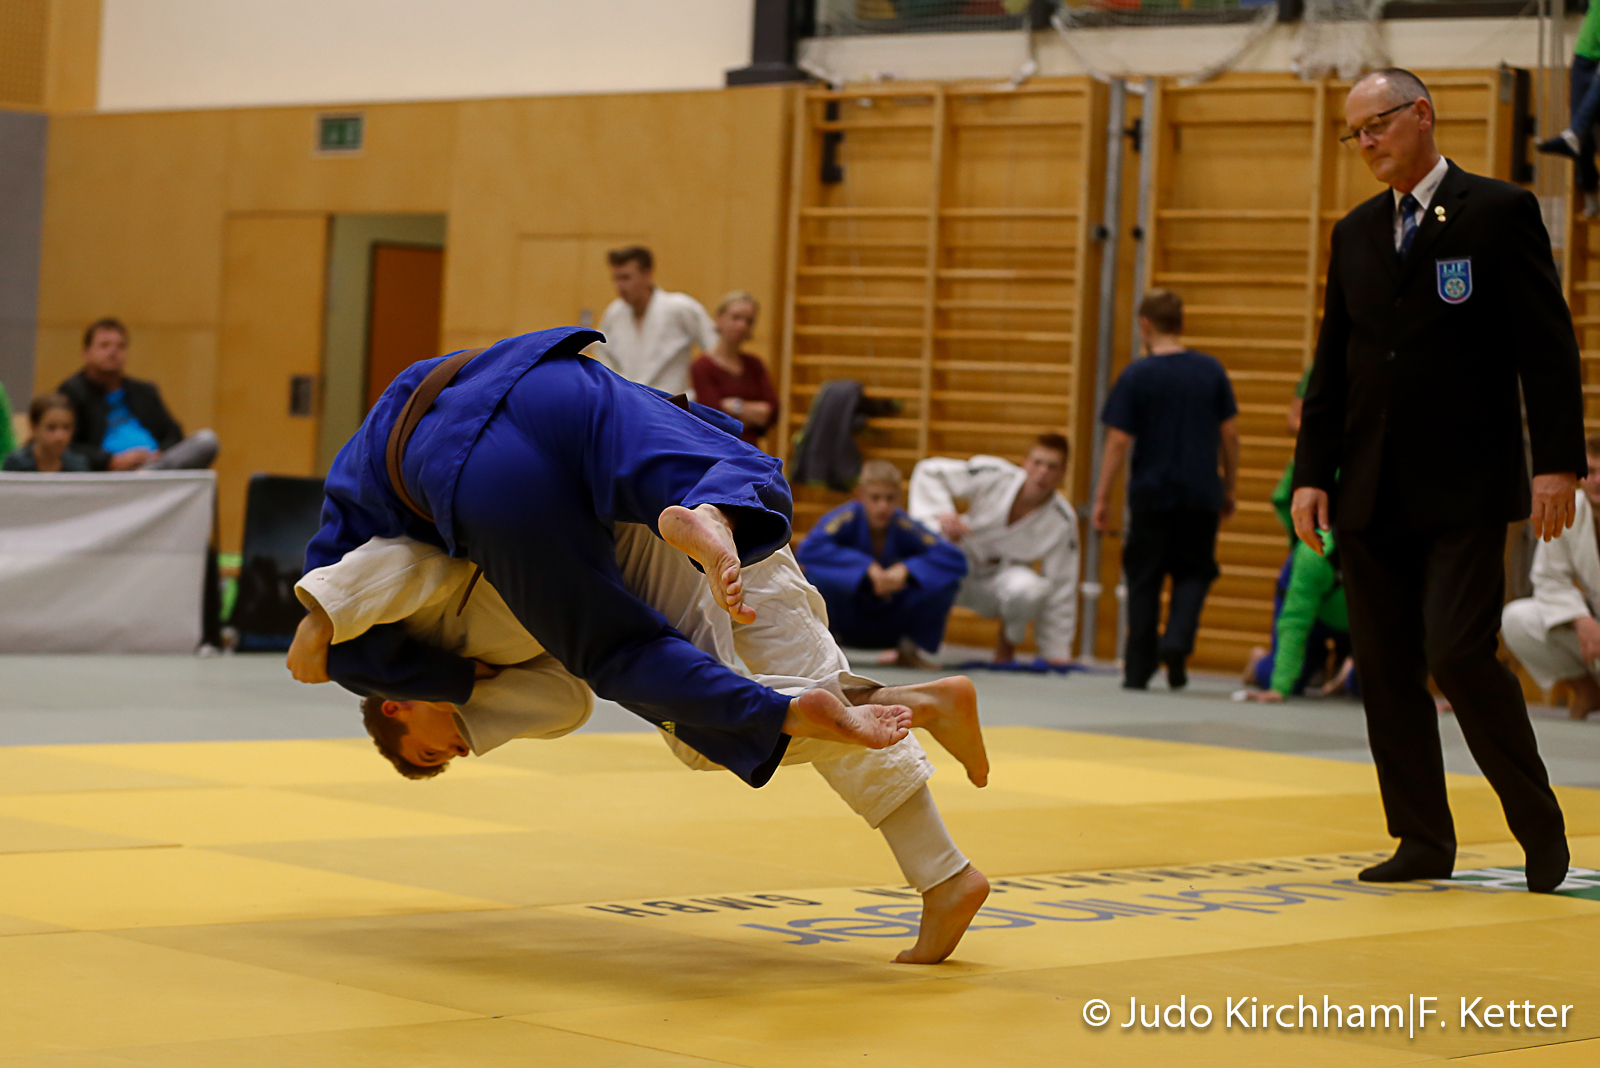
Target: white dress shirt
point(657, 349)
point(1424, 194)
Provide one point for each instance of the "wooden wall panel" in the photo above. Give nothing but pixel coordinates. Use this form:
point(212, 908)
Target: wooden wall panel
point(274, 286)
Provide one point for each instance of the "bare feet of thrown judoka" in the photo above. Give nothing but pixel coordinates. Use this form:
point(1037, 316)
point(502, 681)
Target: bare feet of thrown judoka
point(706, 537)
point(819, 714)
point(948, 710)
point(947, 909)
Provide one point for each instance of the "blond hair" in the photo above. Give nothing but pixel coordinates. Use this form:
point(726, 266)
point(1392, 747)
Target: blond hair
point(737, 296)
point(881, 472)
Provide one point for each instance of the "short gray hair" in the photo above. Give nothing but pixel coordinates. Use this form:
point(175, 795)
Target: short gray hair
point(1402, 83)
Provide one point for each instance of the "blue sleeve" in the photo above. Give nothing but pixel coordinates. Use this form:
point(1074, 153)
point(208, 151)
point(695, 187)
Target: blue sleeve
point(1119, 411)
point(835, 569)
point(936, 565)
point(358, 506)
point(386, 662)
point(642, 453)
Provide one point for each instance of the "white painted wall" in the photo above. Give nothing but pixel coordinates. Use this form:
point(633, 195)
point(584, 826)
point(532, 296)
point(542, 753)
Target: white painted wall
point(157, 54)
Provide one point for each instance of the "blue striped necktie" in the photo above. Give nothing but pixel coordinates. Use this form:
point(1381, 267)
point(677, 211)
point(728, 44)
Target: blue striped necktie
point(1409, 206)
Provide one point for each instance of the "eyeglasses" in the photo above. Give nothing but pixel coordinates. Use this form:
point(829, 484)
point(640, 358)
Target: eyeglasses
point(1375, 126)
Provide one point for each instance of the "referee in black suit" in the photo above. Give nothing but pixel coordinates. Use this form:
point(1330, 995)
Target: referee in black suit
point(1441, 299)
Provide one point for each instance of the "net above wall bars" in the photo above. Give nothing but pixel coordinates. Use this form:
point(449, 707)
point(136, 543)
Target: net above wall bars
point(1340, 38)
point(1238, 25)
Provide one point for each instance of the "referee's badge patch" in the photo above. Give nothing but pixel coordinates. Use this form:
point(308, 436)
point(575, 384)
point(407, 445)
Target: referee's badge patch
point(1455, 279)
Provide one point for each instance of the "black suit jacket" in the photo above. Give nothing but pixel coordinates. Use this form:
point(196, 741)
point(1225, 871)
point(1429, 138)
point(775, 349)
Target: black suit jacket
point(1414, 389)
point(144, 401)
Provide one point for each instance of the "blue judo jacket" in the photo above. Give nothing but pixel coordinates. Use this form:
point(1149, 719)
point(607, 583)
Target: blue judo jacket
point(565, 449)
point(838, 550)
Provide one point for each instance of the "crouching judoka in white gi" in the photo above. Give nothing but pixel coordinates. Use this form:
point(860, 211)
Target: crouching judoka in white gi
point(1015, 518)
point(1555, 633)
point(524, 692)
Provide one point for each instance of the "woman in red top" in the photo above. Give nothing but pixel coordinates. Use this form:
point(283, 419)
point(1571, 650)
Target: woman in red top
point(731, 380)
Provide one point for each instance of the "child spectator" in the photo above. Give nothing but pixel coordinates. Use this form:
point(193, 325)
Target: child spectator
point(888, 582)
point(731, 380)
point(50, 449)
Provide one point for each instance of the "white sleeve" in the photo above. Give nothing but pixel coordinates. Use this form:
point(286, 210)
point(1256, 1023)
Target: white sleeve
point(703, 327)
point(1555, 579)
point(935, 484)
point(1057, 624)
point(535, 699)
point(601, 350)
point(383, 581)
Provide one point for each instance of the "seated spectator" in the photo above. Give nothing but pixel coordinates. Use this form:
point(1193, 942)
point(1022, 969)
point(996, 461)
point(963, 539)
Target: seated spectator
point(1016, 518)
point(728, 378)
point(1308, 612)
point(888, 582)
point(122, 422)
point(1554, 633)
point(50, 449)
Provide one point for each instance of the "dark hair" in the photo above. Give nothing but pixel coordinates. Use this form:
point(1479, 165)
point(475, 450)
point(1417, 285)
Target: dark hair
point(1164, 309)
point(50, 402)
point(1592, 442)
point(632, 254)
point(386, 733)
point(1053, 441)
point(108, 323)
point(1404, 82)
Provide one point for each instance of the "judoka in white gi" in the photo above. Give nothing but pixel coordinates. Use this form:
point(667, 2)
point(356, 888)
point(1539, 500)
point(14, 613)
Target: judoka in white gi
point(651, 334)
point(523, 692)
point(1554, 633)
point(1016, 517)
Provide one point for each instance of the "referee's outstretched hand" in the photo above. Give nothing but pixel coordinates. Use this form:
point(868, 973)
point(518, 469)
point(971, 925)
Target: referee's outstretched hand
point(1310, 512)
point(1554, 504)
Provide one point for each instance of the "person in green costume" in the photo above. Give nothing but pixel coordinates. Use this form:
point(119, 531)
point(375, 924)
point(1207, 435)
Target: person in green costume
point(8, 437)
point(1576, 142)
point(1309, 607)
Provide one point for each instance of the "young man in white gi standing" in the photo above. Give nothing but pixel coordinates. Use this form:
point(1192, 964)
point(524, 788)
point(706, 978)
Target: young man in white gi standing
point(1016, 518)
point(651, 334)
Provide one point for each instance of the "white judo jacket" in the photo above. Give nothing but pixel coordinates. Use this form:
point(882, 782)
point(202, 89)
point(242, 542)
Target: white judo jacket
point(1046, 536)
point(1566, 571)
point(657, 349)
point(788, 648)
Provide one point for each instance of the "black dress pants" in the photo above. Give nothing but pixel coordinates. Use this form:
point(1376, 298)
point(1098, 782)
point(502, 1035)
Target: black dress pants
point(1181, 542)
point(1430, 602)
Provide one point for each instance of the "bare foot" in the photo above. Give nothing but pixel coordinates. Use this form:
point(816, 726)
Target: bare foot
point(819, 714)
point(1583, 698)
point(947, 909)
point(1256, 654)
point(948, 710)
point(705, 536)
point(1004, 651)
point(907, 656)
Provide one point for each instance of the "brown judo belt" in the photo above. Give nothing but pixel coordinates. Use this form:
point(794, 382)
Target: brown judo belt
point(416, 407)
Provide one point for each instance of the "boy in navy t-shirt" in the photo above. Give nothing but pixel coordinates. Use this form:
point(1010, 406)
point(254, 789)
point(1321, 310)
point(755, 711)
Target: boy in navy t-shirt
point(1176, 411)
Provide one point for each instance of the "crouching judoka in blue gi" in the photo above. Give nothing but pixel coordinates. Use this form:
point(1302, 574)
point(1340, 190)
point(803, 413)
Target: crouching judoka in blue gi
point(523, 692)
point(525, 462)
point(888, 582)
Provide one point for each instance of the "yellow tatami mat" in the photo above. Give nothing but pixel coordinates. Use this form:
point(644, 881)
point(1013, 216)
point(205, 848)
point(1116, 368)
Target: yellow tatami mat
point(590, 902)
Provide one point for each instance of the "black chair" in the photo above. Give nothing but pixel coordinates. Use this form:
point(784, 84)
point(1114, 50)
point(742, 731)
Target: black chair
point(281, 515)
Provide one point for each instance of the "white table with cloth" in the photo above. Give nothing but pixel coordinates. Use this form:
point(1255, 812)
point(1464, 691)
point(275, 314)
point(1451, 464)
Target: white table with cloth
point(103, 563)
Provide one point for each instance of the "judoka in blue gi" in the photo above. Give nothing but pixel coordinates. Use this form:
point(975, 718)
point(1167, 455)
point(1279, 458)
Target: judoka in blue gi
point(888, 581)
point(525, 462)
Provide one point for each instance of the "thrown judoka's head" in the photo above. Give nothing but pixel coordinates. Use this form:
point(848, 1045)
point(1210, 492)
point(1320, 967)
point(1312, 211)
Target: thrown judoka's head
point(1046, 465)
point(419, 738)
point(878, 490)
point(1591, 484)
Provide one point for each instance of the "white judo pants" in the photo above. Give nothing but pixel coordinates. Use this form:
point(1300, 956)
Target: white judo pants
point(1549, 655)
point(790, 649)
point(1014, 595)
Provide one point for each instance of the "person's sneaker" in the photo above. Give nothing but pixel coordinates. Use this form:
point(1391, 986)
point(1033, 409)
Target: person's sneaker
point(1564, 143)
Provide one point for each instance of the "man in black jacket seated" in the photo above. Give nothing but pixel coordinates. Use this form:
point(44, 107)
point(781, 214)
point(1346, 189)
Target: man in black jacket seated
point(1442, 299)
point(122, 422)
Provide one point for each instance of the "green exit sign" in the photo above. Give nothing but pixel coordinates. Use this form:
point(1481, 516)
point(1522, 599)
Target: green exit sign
point(340, 134)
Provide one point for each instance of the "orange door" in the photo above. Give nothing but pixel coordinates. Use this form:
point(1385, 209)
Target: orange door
point(403, 324)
